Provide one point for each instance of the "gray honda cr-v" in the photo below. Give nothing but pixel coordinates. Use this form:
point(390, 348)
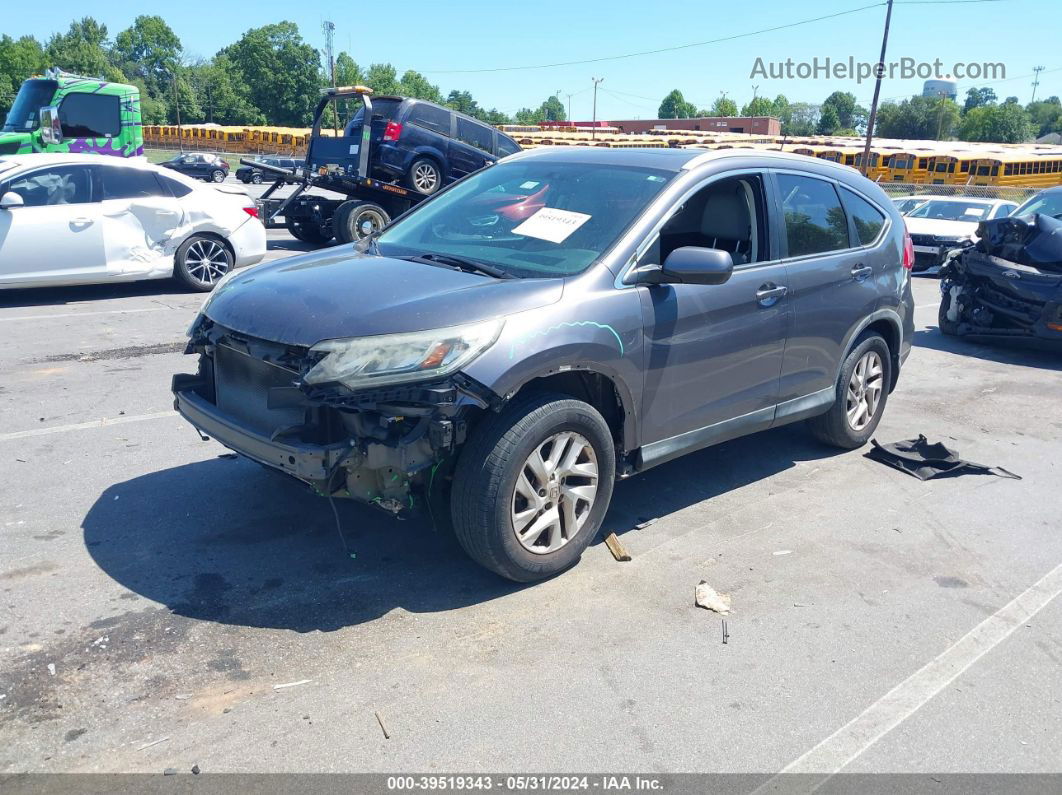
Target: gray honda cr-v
point(504, 352)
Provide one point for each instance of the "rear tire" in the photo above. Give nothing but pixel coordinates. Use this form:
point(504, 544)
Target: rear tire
point(201, 261)
point(861, 392)
point(424, 176)
point(256, 179)
point(357, 219)
point(307, 233)
point(532, 486)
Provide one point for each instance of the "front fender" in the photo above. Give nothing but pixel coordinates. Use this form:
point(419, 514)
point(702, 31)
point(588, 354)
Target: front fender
point(600, 333)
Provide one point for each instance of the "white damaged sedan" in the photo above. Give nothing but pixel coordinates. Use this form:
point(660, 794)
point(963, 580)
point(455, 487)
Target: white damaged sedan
point(85, 219)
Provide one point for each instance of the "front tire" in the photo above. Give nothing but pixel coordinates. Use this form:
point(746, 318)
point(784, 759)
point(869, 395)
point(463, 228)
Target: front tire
point(256, 179)
point(217, 176)
point(861, 393)
point(201, 261)
point(946, 326)
point(532, 486)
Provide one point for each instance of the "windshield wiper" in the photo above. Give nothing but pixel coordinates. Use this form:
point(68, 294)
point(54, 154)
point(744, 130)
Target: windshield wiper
point(472, 266)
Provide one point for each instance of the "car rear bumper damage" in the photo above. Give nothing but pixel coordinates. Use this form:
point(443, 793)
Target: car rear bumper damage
point(383, 447)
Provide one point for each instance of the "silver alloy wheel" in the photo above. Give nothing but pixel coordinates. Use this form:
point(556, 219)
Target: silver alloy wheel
point(864, 390)
point(554, 492)
point(205, 261)
point(218, 176)
point(425, 177)
point(366, 222)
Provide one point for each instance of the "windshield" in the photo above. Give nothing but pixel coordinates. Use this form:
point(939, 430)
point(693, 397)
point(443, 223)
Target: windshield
point(530, 218)
point(1046, 203)
point(25, 113)
point(952, 211)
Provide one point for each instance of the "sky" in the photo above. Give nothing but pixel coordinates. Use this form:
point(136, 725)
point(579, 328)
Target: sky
point(447, 40)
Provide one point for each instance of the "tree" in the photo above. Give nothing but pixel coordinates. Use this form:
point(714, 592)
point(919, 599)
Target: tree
point(382, 78)
point(462, 101)
point(758, 106)
point(723, 107)
point(414, 84)
point(553, 109)
point(19, 58)
point(1046, 116)
point(280, 70)
point(978, 98)
point(348, 73)
point(148, 49)
point(829, 120)
point(918, 117)
point(675, 106)
point(83, 50)
point(803, 119)
point(224, 99)
point(849, 114)
point(1007, 123)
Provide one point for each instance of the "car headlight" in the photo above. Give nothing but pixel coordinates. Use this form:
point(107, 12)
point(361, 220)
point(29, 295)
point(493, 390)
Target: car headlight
point(363, 362)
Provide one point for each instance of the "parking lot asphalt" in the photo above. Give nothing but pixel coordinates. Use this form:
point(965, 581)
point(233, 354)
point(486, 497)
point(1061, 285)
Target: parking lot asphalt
point(162, 605)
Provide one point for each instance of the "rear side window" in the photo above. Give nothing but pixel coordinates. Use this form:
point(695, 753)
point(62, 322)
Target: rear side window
point(430, 117)
point(90, 115)
point(58, 185)
point(867, 218)
point(814, 220)
point(129, 183)
point(475, 135)
point(507, 146)
point(175, 187)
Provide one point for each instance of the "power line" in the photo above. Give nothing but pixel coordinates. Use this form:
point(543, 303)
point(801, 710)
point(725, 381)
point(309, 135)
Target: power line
point(720, 40)
point(666, 49)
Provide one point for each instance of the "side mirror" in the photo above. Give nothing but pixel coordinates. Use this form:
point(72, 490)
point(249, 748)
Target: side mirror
point(51, 127)
point(10, 200)
point(690, 265)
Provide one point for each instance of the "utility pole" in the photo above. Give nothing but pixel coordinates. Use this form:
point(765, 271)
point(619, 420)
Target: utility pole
point(877, 92)
point(940, 115)
point(1036, 82)
point(593, 128)
point(177, 108)
point(329, 29)
point(569, 106)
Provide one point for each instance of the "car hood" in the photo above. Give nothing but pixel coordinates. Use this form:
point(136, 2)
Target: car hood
point(941, 228)
point(303, 300)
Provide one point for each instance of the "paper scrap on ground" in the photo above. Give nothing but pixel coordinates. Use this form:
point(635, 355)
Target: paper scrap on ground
point(551, 224)
point(707, 597)
point(291, 684)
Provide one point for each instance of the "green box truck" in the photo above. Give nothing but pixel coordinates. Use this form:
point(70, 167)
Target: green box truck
point(61, 112)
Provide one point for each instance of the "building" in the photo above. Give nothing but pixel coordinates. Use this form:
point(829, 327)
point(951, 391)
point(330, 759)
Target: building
point(751, 125)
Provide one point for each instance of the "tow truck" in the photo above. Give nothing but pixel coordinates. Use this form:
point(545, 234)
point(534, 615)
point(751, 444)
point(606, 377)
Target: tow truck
point(338, 163)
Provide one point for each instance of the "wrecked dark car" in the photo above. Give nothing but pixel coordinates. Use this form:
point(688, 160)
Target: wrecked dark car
point(1009, 285)
point(505, 351)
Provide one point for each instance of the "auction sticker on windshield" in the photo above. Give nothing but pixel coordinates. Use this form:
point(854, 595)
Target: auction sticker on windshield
point(556, 226)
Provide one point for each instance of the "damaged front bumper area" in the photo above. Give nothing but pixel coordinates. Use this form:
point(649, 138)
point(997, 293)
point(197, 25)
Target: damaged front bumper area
point(382, 446)
point(1009, 285)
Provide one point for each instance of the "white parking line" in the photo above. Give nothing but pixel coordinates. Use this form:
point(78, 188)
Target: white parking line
point(844, 745)
point(86, 314)
point(81, 426)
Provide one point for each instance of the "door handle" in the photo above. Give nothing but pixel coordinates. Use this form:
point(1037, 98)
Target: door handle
point(861, 271)
point(770, 293)
point(80, 221)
